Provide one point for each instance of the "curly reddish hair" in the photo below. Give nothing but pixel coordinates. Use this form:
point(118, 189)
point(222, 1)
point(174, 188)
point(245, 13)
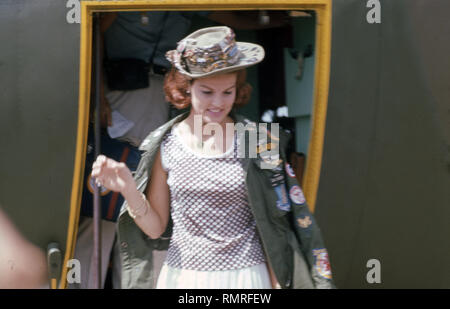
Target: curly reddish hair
point(176, 87)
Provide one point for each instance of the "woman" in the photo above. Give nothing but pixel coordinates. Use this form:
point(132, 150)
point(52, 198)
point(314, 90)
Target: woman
point(231, 218)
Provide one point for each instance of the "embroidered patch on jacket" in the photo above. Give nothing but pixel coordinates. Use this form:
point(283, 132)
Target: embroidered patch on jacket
point(296, 195)
point(268, 154)
point(289, 170)
point(282, 200)
point(269, 161)
point(266, 147)
point(276, 179)
point(304, 222)
point(322, 264)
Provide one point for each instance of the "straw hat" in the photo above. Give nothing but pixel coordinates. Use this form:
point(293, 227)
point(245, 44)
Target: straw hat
point(213, 50)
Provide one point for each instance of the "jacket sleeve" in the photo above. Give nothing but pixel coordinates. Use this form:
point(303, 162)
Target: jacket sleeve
point(306, 228)
point(136, 248)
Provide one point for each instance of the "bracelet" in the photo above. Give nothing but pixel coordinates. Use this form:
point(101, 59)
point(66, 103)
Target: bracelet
point(137, 213)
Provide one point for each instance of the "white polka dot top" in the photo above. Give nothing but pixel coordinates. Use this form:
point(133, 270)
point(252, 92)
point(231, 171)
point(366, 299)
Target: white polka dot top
point(213, 226)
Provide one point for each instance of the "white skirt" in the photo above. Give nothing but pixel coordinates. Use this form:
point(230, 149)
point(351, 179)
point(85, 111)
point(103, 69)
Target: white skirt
point(254, 277)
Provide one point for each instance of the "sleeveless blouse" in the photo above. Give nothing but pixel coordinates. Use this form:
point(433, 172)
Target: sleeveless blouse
point(213, 226)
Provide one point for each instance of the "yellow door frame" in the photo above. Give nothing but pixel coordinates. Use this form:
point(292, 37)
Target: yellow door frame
point(320, 98)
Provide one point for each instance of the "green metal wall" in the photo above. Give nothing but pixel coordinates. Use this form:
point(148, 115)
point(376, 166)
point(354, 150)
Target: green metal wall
point(384, 188)
point(39, 63)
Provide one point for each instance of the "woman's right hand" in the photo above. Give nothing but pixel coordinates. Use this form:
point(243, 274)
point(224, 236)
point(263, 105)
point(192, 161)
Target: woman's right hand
point(113, 175)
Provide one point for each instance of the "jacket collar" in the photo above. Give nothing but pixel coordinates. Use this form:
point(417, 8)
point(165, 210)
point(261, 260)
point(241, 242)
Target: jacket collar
point(155, 137)
point(152, 142)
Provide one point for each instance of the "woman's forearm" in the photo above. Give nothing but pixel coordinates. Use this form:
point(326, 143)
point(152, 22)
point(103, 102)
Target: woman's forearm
point(117, 177)
point(149, 222)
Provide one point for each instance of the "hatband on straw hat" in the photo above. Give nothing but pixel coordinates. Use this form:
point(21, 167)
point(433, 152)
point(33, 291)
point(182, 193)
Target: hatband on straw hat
point(213, 50)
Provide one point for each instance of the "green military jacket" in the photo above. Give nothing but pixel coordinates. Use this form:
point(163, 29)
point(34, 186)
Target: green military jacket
point(290, 236)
